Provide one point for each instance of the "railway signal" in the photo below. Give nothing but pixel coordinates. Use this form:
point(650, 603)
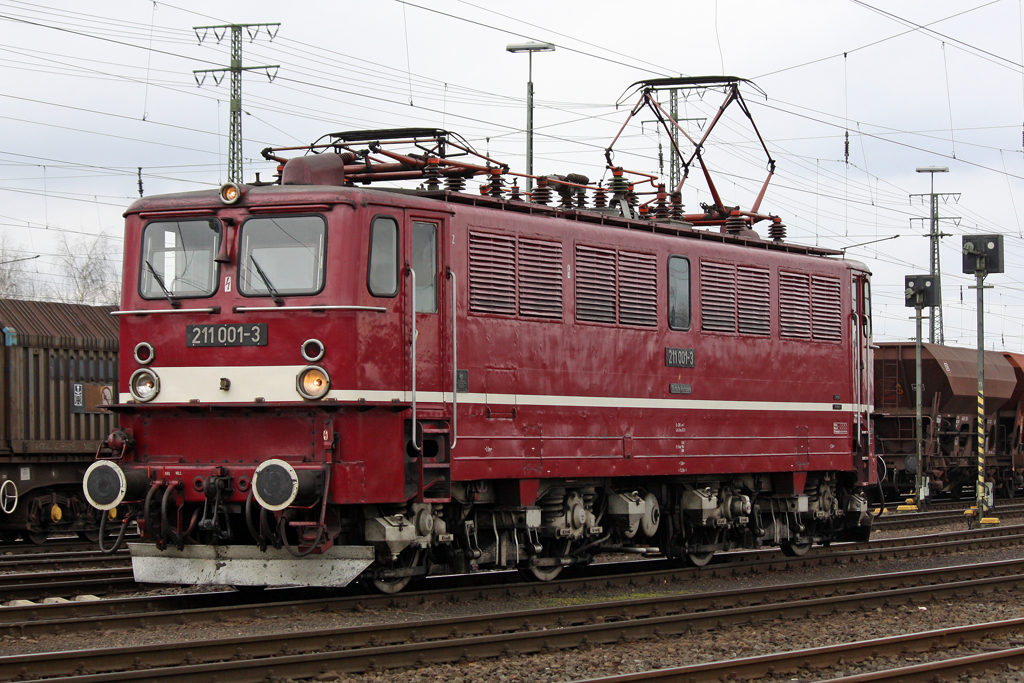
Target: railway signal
point(983, 254)
point(920, 291)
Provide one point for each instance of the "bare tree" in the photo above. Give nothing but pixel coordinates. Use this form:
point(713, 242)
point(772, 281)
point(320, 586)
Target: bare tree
point(14, 282)
point(88, 270)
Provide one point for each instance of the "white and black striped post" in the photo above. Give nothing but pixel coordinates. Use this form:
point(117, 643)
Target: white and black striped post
point(983, 254)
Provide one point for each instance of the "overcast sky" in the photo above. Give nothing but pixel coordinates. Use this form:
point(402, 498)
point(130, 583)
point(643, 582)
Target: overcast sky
point(88, 99)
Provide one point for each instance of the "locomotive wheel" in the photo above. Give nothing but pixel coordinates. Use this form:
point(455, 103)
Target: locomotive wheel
point(8, 536)
point(407, 559)
point(547, 572)
point(699, 559)
point(90, 535)
point(794, 548)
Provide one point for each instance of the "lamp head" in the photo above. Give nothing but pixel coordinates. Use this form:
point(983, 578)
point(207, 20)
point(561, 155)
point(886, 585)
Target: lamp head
point(530, 47)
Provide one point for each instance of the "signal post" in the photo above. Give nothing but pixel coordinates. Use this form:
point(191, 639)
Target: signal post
point(983, 254)
point(920, 291)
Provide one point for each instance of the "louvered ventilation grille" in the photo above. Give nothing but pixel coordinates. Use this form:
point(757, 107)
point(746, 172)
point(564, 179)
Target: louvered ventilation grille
point(754, 301)
point(794, 305)
point(540, 279)
point(826, 309)
point(595, 284)
point(638, 289)
point(492, 267)
point(718, 297)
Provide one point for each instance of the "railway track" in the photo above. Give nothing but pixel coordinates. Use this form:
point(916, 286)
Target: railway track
point(52, 545)
point(135, 612)
point(62, 561)
point(30, 574)
point(945, 515)
point(62, 576)
point(363, 647)
point(815, 661)
point(33, 586)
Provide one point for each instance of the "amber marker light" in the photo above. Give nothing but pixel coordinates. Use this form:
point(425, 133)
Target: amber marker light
point(230, 193)
point(313, 382)
point(144, 385)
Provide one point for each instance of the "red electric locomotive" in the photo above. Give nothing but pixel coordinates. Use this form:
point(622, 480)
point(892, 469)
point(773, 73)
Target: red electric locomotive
point(324, 381)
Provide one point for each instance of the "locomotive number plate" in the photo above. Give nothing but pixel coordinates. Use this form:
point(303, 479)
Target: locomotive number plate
point(249, 334)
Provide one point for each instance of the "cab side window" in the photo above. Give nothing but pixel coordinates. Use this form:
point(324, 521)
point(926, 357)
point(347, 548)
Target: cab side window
point(382, 275)
point(678, 293)
point(424, 262)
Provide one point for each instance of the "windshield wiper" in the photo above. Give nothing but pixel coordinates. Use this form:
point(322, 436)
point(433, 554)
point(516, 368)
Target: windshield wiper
point(160, 281)
point(266, 281)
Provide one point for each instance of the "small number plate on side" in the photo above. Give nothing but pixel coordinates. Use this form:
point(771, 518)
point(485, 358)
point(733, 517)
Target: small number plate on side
point(249, 334)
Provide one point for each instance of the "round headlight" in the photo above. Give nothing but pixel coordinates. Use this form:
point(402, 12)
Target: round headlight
point(230, 193)
point(144, 385)
point(313, 382)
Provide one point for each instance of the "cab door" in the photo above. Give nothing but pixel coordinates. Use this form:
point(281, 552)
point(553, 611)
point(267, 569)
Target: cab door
point(427, 303)
point(860, 332)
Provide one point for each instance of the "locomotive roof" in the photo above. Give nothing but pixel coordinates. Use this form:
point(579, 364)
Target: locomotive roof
point(51, 324)
point(207, 202)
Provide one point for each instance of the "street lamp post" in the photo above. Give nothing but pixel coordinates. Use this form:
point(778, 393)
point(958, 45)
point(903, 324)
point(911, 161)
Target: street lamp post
point(530, 48)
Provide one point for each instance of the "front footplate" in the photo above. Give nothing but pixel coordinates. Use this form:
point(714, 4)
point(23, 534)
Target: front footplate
point(239, 565)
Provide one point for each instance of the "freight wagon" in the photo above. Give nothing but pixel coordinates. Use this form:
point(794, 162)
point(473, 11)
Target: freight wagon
point(59, 369)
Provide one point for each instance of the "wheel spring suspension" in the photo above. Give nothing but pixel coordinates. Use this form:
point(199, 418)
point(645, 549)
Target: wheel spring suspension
point(552, 506)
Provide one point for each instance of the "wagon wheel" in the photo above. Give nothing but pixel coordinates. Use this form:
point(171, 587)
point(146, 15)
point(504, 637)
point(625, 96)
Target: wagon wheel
point(407, 559)
point(35, 537)
point(549, 570)
point(92, 523)
point(8, 536)
point(794, 548)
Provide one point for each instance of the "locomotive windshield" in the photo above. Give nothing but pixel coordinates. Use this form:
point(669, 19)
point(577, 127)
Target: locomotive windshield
point(282, 256)
point(177, 259)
